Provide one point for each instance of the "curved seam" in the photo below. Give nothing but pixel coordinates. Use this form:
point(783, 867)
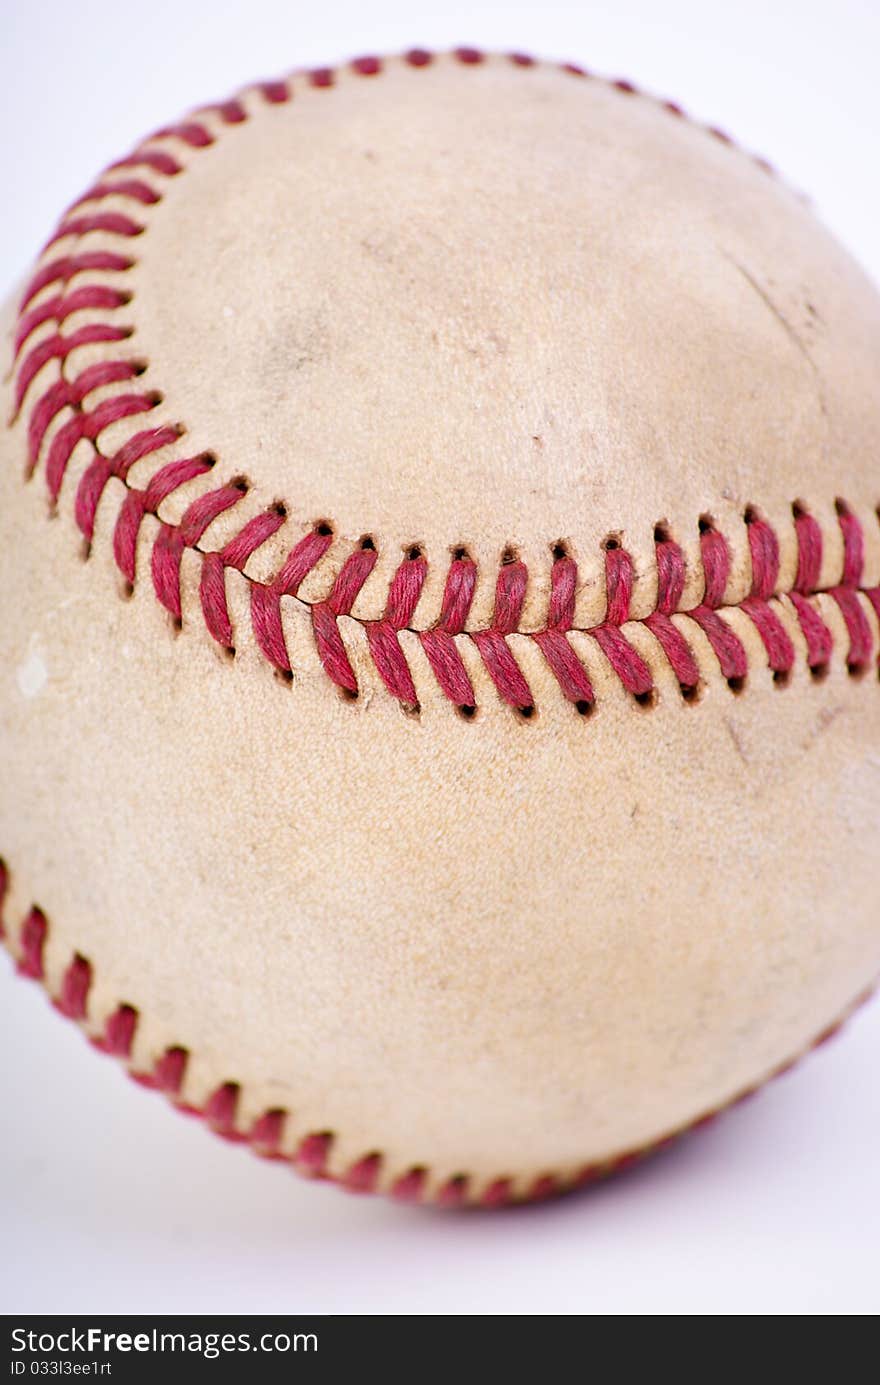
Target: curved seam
point(312, 1155)
point(86, 423)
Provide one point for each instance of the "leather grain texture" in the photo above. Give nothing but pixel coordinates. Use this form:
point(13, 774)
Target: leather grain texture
point(479, 308)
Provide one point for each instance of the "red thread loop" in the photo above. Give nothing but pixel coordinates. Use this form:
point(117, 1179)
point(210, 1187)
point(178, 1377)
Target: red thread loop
point(382, 636)
point(99, 471)
point(676, 649)
point(220, 1111)
point(32, 939)
point(119, 1032)
point(853, 546)
point(58, 348)
point(626, 661)
point(670, 576)
point(404, 592)
point(173, 539)
point(563, 588)
point(190, 132)
point(618, 585)
point(564, 664)
point(75, 986)
point(858, 628)
point(728, 649)
point(92, 297)
point(313, 1153)
point(276, 93)
point(90, 425)
point(138, 503)
point(510, 593)
point(815, 631)
point(458, 594)
point(774, 636)
point(235, 554)
point(113, 223)
point(439, 644)
point(135, 189)
point(266, 600)
point(566, 667)
point(363, 1176)
point(61, 270)
point(809, 542)
point(159, 160)
point(328, 640)
point(764, 548)
point(510, 590)
point(716, 565)
point(410, 1187)
point(267, 1131)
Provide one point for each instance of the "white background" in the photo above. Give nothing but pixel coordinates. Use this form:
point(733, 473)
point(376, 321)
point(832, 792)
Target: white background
point(109, 1201)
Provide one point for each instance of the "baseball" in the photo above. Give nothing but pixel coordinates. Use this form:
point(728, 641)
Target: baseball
point(440, 572)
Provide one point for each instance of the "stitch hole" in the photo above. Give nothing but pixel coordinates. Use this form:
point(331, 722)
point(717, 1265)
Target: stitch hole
point(348, 694)
point(154, 398)
point(368, 544)
point(661, 532)
point(323, 528)
point(285, 675)
point(584, 708)
point(509, 555)
point(138, 367)
point(176, 624)
point(411, 709)
point(799, 509)
point(612, 541)
point(736, 685)
point(647, 699)
point(856, 670)
point(208, 459)
point(781, 677)
point(841, 508)
point(752, 515)
point(127, 590)
point(559, 550)
point(278, 508)
point(466, 711)
point(691, 692)
point(819, 672)
point(706, 524)
point(240, 484)
point(460, 554)
point(526, 713)
point(414, 552)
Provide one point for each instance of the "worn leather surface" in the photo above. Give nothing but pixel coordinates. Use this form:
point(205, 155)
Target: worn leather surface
point(494, 308)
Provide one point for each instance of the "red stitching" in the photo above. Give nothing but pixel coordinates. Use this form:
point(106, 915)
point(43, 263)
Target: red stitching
point(442, 642)
point(159, 160)
point(114, 223)
point(135, 189)
point(69, 265)
point(190, 132)
point(366, 1174)
point(92, 297)
point(266, 600)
